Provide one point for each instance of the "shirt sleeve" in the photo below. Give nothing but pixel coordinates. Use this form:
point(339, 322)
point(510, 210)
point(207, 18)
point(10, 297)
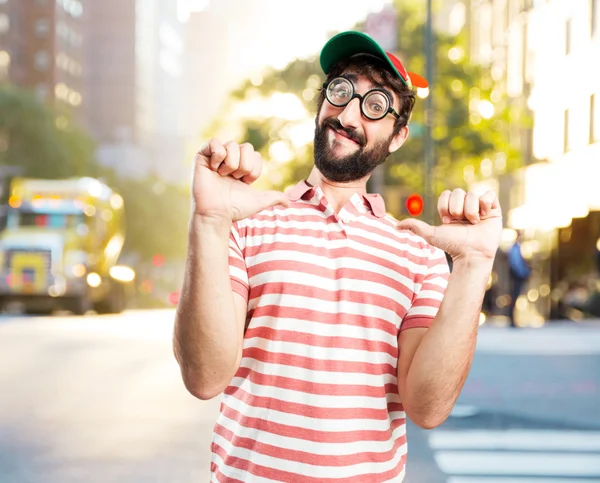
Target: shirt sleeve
point(429, 292)
point(238, 272)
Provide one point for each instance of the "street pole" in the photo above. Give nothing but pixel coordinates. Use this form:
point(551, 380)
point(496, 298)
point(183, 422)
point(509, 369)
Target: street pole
point(383, 27)
point(430, 203)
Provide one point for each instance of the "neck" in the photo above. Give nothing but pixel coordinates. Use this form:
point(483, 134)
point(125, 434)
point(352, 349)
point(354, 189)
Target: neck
point(337, 194)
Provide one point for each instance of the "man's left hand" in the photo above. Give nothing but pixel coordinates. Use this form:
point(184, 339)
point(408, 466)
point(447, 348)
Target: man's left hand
point(471, 225)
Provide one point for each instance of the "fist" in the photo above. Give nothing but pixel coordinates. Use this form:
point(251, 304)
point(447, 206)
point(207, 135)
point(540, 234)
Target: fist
point(471, 225)
point(220, 184)
point(240, 161)
point(461, 207)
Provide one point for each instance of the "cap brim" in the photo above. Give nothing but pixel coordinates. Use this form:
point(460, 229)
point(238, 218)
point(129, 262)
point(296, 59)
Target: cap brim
point(417, 80)
point(347, 44)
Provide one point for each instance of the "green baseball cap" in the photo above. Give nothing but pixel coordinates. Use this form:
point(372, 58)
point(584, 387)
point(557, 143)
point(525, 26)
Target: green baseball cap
point(348, 44)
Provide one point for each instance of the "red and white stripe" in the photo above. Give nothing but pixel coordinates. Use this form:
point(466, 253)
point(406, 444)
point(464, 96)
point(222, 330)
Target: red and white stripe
point(315, 398)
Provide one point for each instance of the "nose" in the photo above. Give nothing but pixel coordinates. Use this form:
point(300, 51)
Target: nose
point(350, 116)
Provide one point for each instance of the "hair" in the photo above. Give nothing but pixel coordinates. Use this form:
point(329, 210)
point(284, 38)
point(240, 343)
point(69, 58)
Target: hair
point(377, 71)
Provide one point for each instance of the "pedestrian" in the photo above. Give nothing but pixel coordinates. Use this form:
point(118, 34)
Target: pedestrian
point(322, 320)
point(519, 274)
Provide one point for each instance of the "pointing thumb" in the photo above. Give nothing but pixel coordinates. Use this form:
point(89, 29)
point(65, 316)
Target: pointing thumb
point(272, 198)
point(418, 227)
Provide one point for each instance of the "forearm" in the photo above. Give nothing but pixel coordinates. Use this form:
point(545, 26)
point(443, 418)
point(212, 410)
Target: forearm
point(442, 361)
point(207, 338)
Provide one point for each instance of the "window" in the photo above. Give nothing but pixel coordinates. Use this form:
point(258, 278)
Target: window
point(593, 120)
point(42, 28)
point(4, 59)
point(42, 60)
point(568, 37)
point(72, 7)
point(4, 23)
point(50, 220)
point(524, 59)
point(593, 17)
point(566, 132)
point(42, 90)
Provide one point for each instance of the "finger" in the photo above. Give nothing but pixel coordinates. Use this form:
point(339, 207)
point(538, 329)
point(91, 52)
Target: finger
point(487, 202)
point(232, 161)
point(418, 227)
point(457, 204)
point(256, 170)
point(472, 207)
point(214, 153)
point(271, 198)
point(247, 160)
point(443, 205)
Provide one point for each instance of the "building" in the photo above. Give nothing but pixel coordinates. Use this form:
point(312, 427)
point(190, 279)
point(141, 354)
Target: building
point(205, 93)
point(539, 54)
point(42, 48)
point(134, 56)
point(111, 71)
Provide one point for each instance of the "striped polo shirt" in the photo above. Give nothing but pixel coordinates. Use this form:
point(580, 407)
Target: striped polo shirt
point(315, 398)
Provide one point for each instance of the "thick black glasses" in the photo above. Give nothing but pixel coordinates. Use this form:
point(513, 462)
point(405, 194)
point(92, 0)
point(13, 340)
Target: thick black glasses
point(374, 105)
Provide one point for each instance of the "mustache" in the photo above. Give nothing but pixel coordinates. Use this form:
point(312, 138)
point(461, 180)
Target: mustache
point(352, 134)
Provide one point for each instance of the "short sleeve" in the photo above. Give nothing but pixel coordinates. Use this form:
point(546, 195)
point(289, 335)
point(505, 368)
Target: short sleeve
point(237, 265)
point(429, 293)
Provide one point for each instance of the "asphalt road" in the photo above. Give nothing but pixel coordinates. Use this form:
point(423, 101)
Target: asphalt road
point(98, 399)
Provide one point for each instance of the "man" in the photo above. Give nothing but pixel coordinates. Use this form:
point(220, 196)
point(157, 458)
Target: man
point(519, 274)
point(319, 317)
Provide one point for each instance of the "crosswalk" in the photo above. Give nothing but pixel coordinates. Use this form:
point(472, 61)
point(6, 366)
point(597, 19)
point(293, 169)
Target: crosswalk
point(554, 339)
point(517, 455)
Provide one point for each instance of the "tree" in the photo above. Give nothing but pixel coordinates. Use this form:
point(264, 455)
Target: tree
point(157, 217)
point(42, 141)
point(471, 121)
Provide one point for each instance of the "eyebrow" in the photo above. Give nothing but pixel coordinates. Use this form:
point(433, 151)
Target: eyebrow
point(353, 78)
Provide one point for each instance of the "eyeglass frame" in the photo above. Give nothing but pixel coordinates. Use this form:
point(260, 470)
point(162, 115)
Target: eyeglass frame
point(355, 95)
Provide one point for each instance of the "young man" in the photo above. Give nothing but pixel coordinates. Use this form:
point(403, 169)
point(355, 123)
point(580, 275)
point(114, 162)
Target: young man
point(318, 316)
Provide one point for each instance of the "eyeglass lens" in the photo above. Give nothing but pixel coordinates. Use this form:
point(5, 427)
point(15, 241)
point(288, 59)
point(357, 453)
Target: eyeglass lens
point(374, 104)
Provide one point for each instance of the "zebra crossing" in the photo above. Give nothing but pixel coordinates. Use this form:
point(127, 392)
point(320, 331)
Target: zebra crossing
point(555, 339)
point(517, 455)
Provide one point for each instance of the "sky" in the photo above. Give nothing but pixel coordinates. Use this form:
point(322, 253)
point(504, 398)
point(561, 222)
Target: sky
point(249, 35)
point(288, 21)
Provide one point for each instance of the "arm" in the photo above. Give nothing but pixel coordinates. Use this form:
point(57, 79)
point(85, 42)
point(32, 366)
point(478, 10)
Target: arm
point(434, 363)
point(210, 317)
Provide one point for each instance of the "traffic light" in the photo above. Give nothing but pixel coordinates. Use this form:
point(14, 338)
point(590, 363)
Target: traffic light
point(414, 204)
point(158, 260)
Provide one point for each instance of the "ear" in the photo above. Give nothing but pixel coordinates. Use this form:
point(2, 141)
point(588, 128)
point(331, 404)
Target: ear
point(398, 139)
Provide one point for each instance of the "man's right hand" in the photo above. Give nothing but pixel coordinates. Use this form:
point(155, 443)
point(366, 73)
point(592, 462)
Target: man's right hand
point(221, 179)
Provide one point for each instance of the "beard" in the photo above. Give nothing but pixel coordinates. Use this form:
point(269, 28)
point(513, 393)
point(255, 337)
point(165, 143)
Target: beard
point(353, 166)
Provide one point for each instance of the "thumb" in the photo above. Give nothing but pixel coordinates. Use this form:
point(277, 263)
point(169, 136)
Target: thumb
point(418, 227)
point(272, 198)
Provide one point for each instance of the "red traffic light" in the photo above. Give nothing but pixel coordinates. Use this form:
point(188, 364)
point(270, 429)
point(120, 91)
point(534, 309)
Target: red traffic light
point(414, 205)
point(158, 260)
point(174, 298)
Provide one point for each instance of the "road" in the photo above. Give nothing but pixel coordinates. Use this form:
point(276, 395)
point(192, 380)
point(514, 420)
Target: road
point(98, 399)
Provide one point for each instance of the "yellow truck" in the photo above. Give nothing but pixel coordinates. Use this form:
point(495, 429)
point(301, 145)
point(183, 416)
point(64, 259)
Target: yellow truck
point(61, 245)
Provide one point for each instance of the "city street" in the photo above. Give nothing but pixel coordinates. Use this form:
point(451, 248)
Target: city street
point(98, 399)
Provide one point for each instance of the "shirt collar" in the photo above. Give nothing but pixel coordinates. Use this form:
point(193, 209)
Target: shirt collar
point(375, 201)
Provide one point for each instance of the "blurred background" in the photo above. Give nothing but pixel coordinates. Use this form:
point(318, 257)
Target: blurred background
point(103, 104)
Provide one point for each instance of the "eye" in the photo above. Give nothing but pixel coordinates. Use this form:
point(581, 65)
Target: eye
point(376, 104)
point(340, 89)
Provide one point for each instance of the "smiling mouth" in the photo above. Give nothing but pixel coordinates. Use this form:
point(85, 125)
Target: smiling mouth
point(345, 136)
